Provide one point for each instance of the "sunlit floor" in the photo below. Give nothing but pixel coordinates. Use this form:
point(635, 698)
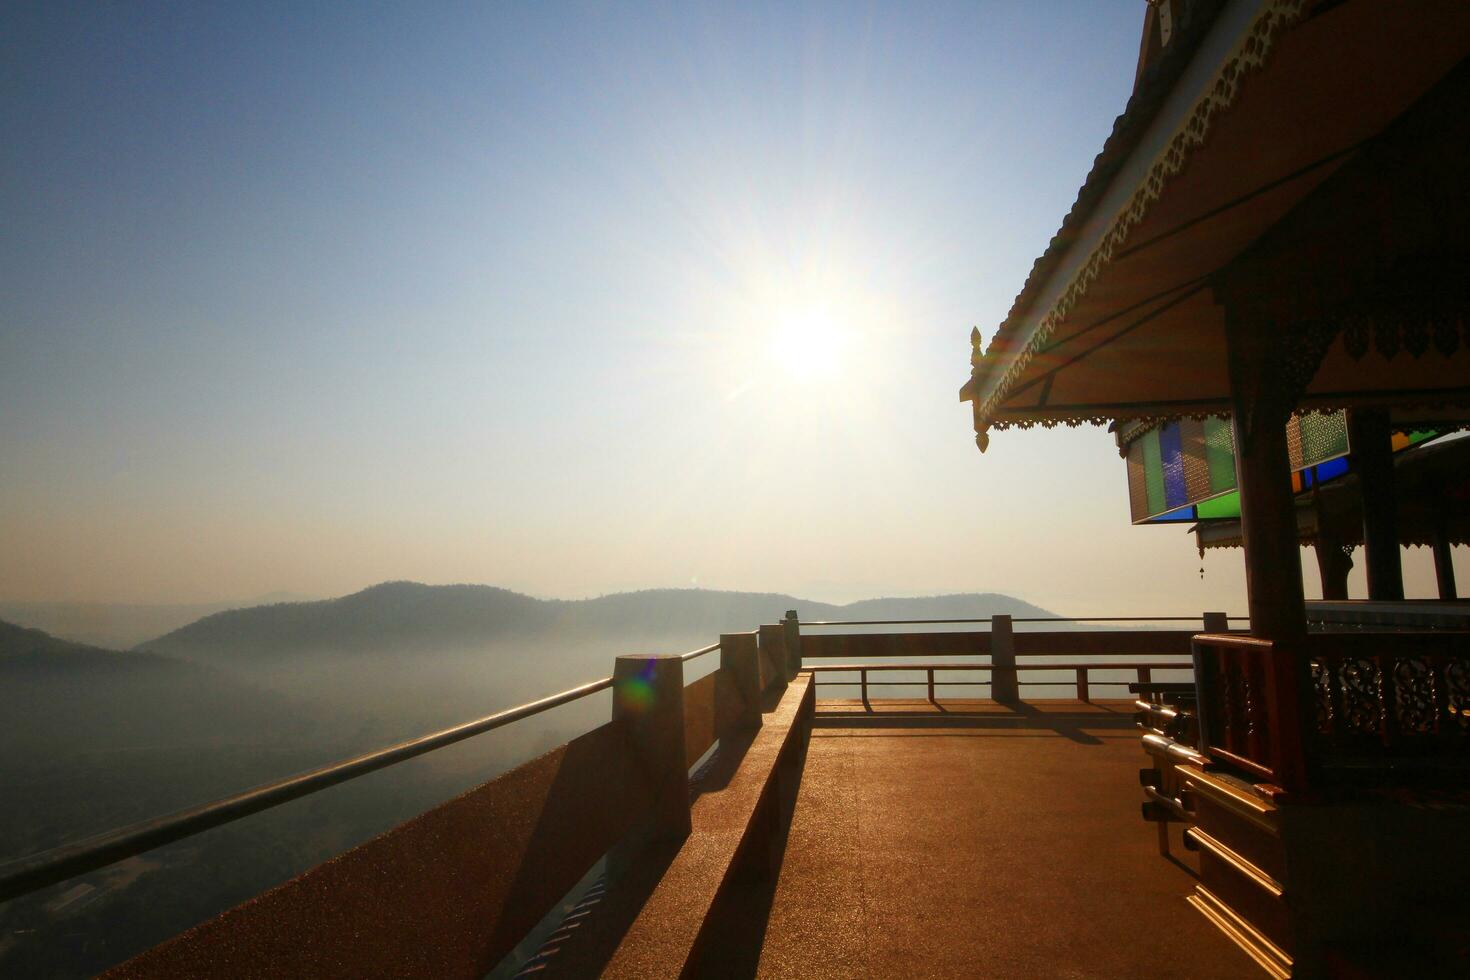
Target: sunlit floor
point(972, 840)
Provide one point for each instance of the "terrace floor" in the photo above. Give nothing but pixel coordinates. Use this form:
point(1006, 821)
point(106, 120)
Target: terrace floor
point(958, 839)
point(969, 839)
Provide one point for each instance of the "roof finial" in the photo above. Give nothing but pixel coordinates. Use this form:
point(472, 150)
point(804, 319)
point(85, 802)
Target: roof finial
point(977, 351)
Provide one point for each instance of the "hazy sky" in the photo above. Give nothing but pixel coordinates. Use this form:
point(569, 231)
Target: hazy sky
point(569, 299)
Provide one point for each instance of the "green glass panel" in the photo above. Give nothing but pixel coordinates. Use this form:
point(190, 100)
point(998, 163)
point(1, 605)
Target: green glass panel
point(1153, 471)
point(1419, 436)
point(1220, 454)
point(1223, 506)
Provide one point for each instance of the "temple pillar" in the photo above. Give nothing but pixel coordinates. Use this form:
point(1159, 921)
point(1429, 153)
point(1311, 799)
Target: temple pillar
point(1259, 412)
point(1372, 441)
point(1444, 568)
point(1334, 558)
point(1333, 563)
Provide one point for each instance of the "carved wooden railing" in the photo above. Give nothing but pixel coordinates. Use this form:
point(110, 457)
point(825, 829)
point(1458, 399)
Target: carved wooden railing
point(1394, 698)
point(1333, 703)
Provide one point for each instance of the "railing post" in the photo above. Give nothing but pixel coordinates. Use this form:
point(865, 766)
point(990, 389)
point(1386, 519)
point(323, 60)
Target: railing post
point(931, 685)
point(648, 693)
point(792, 626)
point(1082, 692)
point(740, 661)
point(1205, 662)
point(1003, 684)
point(772, 637)
point(1145, 674)
point(864, 676)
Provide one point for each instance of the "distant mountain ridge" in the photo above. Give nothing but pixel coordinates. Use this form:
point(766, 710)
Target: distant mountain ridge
point(406, 616)
point(54, 692)
point(120, 625)
point(22, 648)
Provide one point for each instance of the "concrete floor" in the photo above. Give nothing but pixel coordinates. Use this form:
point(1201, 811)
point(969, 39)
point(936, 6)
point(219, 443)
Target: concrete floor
point(973, 840)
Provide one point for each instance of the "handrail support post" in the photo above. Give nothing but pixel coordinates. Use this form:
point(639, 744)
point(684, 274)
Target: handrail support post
point(648, 694)
point(1004, 685)
point(792, 627)
point(773, 648)
point(740, 661)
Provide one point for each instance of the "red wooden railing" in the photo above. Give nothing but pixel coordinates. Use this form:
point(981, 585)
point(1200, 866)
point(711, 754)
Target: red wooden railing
point(1249, 705)
point(1332, 703)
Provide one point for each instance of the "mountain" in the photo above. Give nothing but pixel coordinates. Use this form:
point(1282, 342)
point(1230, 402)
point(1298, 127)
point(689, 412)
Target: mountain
point(57, 695)
point(32, 651)
point(120, 625)
point(403, 617)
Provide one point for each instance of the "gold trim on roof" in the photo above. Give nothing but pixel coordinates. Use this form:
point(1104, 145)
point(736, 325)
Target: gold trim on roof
point(1248, 55)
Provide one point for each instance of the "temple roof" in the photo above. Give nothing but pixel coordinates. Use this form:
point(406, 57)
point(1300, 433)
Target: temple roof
point(1254, 152)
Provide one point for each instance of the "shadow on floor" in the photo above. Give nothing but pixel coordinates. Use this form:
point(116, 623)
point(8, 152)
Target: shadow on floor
point(733, 936)
point(1069, 724)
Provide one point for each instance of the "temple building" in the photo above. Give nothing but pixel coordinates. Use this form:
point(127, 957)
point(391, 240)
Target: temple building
point(1262, 287)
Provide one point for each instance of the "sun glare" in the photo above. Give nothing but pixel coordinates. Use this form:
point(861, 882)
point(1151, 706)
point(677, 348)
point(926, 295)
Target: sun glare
point(809, 342)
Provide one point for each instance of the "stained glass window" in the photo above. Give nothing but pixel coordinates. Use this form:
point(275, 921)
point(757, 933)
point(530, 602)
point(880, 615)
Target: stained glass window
point(1176, 469)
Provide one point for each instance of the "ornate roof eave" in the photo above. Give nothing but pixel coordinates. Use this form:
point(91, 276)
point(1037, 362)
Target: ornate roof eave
point(1445, 409)
point(1028, 326)
point(1156, 81)
point(1231, 538)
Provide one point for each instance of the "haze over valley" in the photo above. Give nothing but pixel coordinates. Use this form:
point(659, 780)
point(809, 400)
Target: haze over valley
point(94, 738)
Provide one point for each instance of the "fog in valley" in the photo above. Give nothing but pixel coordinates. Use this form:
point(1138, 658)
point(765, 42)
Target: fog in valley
point(93, 738)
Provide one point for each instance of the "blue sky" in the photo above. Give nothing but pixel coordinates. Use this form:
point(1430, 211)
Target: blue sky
point(566, 298)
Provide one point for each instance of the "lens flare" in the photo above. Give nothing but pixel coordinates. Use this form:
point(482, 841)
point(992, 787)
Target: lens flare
point(636, 693)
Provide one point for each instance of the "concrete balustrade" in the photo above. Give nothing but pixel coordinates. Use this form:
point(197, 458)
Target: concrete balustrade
point(452, 891)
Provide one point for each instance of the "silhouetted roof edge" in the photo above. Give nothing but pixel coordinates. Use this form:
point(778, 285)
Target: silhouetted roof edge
point(1148, 96)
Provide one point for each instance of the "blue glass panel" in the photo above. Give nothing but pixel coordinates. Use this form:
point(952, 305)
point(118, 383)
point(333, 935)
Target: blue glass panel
point(1171, 455)
point(1174, 516)
point(1331, 469)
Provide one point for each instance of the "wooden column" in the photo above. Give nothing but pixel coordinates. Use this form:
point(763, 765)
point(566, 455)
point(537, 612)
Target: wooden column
point(1371, 436)
point(1444, 568)
point(1334, 558)
point(1333, 563)
point(1270, 364)
point(1260, 406)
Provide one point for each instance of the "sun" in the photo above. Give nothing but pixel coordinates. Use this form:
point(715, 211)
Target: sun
point(809, 342)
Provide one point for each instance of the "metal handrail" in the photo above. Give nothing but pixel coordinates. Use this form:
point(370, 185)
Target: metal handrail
point(1028, 619)
point(28, 874)
point(686, 657)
